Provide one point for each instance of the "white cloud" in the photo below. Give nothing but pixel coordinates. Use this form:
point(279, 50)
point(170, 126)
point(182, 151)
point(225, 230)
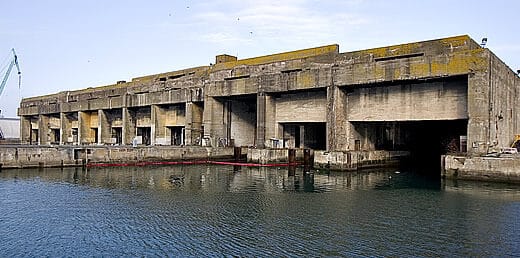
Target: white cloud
point(273, 20)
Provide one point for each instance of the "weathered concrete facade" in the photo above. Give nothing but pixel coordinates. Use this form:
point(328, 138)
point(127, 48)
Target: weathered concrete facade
point(498, 169)
point(61, 156)
point(448, 90)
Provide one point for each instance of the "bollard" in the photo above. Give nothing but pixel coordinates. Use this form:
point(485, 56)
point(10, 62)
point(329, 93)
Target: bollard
point(237, 153)
point(306, 157)
point(292, 156)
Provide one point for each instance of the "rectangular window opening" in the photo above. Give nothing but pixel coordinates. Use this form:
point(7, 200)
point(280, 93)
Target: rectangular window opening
point(237, 77)
point(292, 70)
point(173, 77)
point(387, 58)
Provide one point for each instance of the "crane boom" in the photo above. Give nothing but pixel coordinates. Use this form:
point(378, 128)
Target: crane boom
point(13, 62)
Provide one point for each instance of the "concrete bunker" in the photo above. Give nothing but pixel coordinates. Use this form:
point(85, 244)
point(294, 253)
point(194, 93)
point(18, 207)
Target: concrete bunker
point(239, 120)
point(170, 123)
point(70, 131)
point(111, 126)
point(143, 125)
point(427, 118)
point(300, 118)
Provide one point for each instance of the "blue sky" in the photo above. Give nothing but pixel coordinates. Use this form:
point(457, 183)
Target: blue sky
point(67, 45)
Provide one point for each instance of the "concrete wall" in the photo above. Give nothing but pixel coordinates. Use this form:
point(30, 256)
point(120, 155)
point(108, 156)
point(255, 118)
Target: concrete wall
point(301, 107)
point(21, 157)
point(493, 93)
point(352, 160)
point(270, 156)
point(243, 123)
point(445, 100)
point(505, 104)
point(504, 169)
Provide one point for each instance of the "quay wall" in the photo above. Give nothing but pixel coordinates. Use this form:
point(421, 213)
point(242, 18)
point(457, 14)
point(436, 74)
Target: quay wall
point(40, 156)
point(353, 160)
point(267, 156)
point(496, 169)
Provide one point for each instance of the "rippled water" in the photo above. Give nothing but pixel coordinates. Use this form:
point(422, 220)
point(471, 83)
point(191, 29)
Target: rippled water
point(227, 211)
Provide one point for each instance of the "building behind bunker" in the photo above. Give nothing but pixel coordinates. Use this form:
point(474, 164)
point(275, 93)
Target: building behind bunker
point(435, 96)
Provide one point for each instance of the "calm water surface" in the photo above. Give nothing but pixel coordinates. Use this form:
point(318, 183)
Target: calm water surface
point(227, 211)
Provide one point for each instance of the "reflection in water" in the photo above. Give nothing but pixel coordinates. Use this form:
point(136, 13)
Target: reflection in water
point(251, 211)
point(201, 177)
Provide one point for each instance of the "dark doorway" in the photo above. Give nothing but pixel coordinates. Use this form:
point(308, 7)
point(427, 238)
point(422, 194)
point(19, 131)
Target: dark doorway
point(305, 135)
point(34, 136)
point(74, 132)
point(117, 134)
point(426, 140)
point(177, 135)
point(315, 136)
point(55, 134)
point(95, 132)
point(297, 143)
point(145, 133)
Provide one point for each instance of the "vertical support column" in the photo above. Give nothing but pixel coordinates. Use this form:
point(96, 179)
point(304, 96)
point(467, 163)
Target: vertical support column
point(338, 126)
point(479, 106)
point(260, 120)
point(83, 127)
point(271, 127)
point(104, 128)
point(43, 130)
point(162, 117)
point(128, 126)
point(25, 130)
point(153, 123)
point(228, 106)
point(302, 136)
point(213, 120)
point(189, 124)
point(65, 128)
point(193, 123)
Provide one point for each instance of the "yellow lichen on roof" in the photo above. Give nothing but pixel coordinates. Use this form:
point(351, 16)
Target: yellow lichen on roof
point(414, 47)
point(286, 56)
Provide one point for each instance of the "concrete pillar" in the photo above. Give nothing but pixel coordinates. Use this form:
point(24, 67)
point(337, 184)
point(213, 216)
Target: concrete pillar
point(271, 127)
point(260, 120)
point(159, 118)
point(193, 123)
point(228, 107)
point(43, 130)
point(213, 120)
point(154, 110)
point(65, 128)
point(479, 110)
point(302, 136)
point(25, 130)
point(128, 126)
point(104, 128)
point(338, 126)
point(83, 125)
point(188, 125)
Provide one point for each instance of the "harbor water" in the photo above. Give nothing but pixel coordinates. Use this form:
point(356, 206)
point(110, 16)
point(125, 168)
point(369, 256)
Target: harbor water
point(203, 210)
